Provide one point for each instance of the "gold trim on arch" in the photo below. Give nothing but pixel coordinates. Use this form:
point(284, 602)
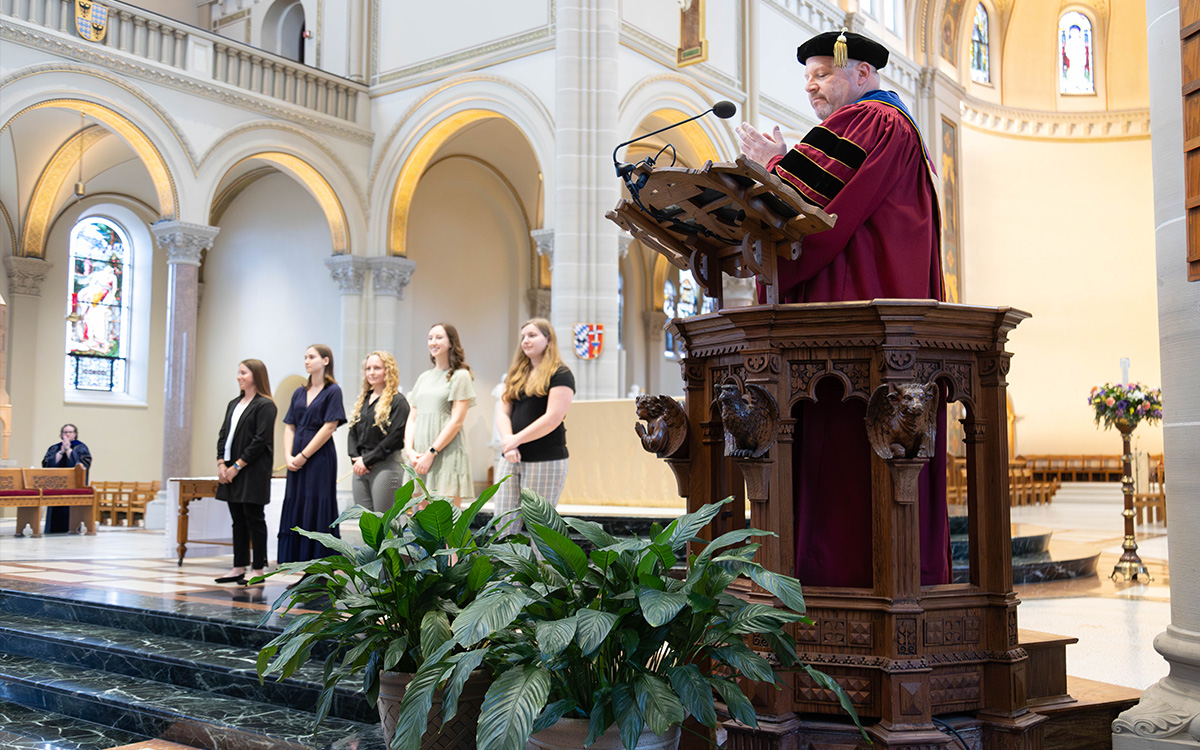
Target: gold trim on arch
point(415, 166)
point(41, 207)
point(57, 173)
point(320, 189)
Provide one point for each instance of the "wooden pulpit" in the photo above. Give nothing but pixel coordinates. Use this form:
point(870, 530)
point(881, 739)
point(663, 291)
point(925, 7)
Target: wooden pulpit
point(903, 652)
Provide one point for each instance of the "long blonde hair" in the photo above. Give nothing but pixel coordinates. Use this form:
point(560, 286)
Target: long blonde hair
point(391, 387)
point(522, 379)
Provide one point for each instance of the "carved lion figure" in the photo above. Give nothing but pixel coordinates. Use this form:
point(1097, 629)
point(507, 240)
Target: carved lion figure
point(666, 429)
point(900, 420)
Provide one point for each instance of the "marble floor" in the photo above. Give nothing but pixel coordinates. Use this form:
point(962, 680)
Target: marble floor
point(1115, 621)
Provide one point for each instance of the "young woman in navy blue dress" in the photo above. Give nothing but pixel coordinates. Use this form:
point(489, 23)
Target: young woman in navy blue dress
point(310, 500)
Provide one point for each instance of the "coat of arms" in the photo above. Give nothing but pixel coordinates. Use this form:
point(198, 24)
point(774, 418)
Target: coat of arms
point(91, 20)
point(589, 340)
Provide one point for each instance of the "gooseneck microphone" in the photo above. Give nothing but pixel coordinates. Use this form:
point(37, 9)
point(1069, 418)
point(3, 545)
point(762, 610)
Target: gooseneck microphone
point(723, 109)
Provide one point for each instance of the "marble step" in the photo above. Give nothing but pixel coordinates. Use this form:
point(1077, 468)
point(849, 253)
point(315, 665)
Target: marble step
point(216, 668)
point(192, 620)
point(24, 728)
point(153, 709)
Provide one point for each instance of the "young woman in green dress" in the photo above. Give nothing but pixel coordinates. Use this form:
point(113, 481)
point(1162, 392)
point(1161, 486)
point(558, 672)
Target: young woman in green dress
point(434, 441)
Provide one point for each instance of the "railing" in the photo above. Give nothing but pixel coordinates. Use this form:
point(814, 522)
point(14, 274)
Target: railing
point(198, 53)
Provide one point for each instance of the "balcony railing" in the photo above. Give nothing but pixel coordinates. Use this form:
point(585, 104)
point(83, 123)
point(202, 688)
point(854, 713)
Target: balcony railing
point(202, 54)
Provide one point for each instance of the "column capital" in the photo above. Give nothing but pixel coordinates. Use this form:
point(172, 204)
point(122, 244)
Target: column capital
point(184, 242)
point(25, 275)
point(656, 321)
point(624, 239)
point(545, 243)
point(349, 272)
point(391, 273)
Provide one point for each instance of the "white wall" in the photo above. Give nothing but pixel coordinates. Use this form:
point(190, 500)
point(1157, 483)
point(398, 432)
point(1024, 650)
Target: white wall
point(469, 241)
point(1064, 230)
point(267, 295)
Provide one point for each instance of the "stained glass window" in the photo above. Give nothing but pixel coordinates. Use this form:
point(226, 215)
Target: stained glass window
point(669, 309)
point(687, 295)
point(1075, 74)
point(98, 308)
point(981, 70)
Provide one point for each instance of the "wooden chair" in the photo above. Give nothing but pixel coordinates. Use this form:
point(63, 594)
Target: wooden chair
point(122, 496)
point(142, 493)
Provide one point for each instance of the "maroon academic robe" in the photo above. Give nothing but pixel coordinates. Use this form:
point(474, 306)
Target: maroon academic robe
point(866, 164)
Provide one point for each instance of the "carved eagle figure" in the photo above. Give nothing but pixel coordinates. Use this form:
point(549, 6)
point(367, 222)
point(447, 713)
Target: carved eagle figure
point(751, 424)
point(900, 420)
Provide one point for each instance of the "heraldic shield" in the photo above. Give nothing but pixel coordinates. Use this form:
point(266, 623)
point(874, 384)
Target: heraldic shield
point(91, 20)
point(589, 340)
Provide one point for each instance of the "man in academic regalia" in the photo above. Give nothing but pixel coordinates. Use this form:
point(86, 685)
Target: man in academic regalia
point(867, 164)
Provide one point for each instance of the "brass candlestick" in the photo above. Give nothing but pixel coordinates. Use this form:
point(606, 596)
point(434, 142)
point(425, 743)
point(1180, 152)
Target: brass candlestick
point(1130, 565)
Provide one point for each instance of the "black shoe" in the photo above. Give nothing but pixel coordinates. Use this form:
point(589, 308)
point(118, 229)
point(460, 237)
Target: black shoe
point(240, 578)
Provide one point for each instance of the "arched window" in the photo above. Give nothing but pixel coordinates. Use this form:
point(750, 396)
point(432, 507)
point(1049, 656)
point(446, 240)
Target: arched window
point(981, 69)
point(99, 291)
point(669, 309)
point(1075, 66)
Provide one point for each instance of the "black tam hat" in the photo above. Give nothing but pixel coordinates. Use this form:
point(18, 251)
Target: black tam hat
point(842, 46)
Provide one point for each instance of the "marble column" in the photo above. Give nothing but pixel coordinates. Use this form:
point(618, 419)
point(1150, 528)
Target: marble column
point(349, 272)
point(184, 245)
point(389, 276)
point(1168, 715)
point(25, 279)
point(585, 243)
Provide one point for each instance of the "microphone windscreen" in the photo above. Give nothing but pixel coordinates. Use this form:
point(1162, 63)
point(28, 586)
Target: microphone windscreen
point(724, 109)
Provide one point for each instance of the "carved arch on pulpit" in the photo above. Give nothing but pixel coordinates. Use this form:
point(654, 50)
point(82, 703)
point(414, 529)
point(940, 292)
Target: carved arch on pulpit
point(853, 375)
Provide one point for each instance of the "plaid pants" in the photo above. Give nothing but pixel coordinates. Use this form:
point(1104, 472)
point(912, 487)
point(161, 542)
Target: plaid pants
point(546, 478)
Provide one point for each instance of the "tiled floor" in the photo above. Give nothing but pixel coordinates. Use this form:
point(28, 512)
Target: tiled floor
point(1115, 621)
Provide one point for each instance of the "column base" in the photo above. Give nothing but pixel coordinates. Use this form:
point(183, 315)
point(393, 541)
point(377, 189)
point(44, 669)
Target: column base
point(1168, 715)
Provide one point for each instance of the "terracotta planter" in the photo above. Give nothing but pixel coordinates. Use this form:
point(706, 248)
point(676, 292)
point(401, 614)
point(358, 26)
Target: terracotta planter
point(459, 732)
point(569, 734)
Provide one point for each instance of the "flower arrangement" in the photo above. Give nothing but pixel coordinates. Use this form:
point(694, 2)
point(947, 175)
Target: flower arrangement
point(1128, 402)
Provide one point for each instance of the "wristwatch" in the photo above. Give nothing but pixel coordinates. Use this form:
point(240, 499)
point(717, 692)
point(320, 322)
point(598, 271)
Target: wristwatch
point(432, 449)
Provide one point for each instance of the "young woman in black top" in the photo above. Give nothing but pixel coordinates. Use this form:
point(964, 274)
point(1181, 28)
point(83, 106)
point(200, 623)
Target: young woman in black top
point(376, 438)
point(537, 393)
point(245, 450)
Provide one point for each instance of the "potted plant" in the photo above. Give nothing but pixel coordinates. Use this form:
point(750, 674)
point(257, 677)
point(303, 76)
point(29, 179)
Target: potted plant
point(609, 642)
point(380, 610)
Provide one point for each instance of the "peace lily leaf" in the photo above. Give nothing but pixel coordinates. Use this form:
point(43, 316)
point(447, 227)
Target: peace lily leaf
point(566, 556)
point(591, 531)
point(535, 510)
point(512, 703)
point(695, 693)
point(629, 718)
point(828, 683)
point(660, 607)
point(435, 630)
point(592, 628)
point(661, 707)
point(487, 614)
point(736, 701)
point(466, 664)
point(551, 714)
point(371, 527)
point(741, 658)
point(414, 709)
point(339, 546)
point(788, 589)
point(689, 525)
point(437, 519)
point(554, 635)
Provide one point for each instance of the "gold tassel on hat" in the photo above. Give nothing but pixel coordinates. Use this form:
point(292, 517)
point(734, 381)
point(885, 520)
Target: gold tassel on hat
point(840, 56)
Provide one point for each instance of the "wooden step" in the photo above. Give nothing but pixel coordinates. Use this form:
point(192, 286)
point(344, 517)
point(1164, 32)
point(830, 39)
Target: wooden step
point(1085, 723)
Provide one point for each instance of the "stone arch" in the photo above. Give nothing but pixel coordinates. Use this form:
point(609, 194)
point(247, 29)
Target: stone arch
point(318, 186)
point(669, 96)
point(42, 207)
point(437, 117)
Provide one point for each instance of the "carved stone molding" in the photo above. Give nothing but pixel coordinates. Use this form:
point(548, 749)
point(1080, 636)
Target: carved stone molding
point(1161, 714)
point(184, 243)
point(349, 272)
point(25, 275)
point(655, 320)
point(390, 274)
point(545, 243)
point(1065, 126)
point(539, 302)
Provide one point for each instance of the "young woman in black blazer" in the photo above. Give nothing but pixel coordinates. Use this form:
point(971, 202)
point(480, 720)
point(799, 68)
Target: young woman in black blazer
point(245, 450)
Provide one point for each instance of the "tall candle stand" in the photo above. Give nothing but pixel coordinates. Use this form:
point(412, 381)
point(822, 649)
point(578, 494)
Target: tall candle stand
point(1130, 565)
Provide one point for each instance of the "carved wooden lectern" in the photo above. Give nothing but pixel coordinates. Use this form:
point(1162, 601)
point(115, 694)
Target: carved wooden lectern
point(903, 652)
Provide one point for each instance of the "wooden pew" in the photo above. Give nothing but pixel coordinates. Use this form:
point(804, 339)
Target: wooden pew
point(14, 494)
point(64, 487)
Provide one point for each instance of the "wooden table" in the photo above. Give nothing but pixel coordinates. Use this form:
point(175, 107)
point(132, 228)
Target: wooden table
point(189, 490)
